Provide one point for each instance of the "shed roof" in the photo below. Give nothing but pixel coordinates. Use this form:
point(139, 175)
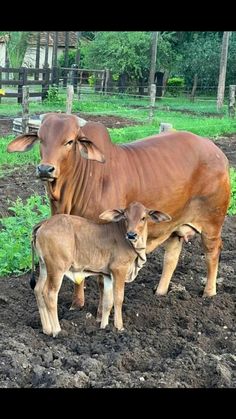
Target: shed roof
point(61, 38)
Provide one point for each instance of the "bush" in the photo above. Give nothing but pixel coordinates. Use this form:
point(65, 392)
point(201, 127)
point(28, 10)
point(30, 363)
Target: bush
point(53, 96)
point(15, 234)
point(175, 86)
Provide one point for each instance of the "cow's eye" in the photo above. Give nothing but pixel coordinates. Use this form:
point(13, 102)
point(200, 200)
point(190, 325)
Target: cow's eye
point(70, 142)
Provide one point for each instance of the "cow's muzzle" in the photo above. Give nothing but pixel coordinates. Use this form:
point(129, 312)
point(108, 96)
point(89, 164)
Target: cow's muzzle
point(46, 172)
point(130, 235)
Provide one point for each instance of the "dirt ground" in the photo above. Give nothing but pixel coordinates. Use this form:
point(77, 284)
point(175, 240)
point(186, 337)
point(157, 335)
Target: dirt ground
point(180, 340)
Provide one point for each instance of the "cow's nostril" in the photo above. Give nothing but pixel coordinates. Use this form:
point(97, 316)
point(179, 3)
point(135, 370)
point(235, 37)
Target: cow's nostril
point(131, 235)
point(45, 169)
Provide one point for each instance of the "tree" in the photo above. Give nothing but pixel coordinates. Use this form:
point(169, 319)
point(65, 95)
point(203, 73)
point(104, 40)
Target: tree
point(16, 47)
point(197, 60)
point(46, 51)
point(77, 56)
point(223, 66)
point(153, 57)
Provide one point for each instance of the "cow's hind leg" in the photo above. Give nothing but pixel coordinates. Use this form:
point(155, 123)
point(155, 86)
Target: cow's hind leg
point(78, 296)
point(50, 293)
point(100, 283)
point(173, 248)
point(212, 245)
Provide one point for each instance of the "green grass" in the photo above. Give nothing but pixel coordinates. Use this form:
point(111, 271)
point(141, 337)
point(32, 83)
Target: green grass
point(232, 205)
point(15, 159)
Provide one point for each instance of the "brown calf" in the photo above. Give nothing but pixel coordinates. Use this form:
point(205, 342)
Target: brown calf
point(77, 247)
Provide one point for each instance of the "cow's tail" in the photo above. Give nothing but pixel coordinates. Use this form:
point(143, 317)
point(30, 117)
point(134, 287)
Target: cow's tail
point(33, 240)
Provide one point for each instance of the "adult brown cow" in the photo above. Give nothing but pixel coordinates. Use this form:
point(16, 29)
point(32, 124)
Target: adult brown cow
point(181, 174)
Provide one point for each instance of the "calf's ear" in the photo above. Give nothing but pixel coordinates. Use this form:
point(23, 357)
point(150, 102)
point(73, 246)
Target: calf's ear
point(22, 143)
point(159, 216)
point(114, 215)
point(90, 151)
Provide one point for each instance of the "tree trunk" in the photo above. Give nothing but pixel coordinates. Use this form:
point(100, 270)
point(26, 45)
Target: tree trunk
point(194, 87)
point(46, 65)
point(223, 65)
point(66, 58)
point(153, 58)
point(122, 82)
point(37, 57)
point(7, 62)
point(77, 57)
point(66, 49)
point(159, 75)
point(55, 47)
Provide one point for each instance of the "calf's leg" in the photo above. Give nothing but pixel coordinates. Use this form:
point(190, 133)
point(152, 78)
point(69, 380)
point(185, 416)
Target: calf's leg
point(107, 300)
point(119, 276)
point(50, 292)
point(38, 291)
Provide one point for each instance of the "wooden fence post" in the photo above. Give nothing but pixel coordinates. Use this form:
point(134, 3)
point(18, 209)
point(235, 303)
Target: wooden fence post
point(164, 126)
point(231, 108)
point(106, 80)
point(25, 109)
point(69, 99)
point(152, 100)
point(22, 82)
point(55, 76)
point(102, 81)
point(45, 85)
point(74, 78)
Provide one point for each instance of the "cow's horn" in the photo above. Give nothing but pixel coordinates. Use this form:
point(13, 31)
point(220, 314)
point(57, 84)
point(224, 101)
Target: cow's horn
point(81, 121)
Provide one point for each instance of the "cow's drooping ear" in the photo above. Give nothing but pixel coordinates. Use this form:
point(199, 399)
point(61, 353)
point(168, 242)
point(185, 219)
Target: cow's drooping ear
point(22, 143)
point(90, 151)
point(114, 215)
point(158, 216)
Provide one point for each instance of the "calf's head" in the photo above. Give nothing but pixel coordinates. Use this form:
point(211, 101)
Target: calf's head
point(135, 217)
point(60, 135)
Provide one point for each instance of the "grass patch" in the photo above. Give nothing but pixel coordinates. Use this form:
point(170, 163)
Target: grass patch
point(29, 157)
point(232, 205)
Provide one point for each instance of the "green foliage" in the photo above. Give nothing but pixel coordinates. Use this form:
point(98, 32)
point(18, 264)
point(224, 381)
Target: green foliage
point(175, 86)
point(53, 96)
point(16, 47)
point(15, 234)
point(232, 205)
point(91, 80)
point(71, 58)
point(121, 52)
point(200, 55)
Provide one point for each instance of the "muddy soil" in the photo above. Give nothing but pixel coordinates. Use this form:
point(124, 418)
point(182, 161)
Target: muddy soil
point(180, 340)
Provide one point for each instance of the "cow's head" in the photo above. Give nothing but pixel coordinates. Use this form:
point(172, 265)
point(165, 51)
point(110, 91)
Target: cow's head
point(136, 217)
point(60, 135)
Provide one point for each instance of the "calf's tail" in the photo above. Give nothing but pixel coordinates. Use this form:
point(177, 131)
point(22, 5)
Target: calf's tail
point(33, 240)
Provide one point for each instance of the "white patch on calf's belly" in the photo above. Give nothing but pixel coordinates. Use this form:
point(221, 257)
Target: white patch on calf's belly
point(78, 277)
